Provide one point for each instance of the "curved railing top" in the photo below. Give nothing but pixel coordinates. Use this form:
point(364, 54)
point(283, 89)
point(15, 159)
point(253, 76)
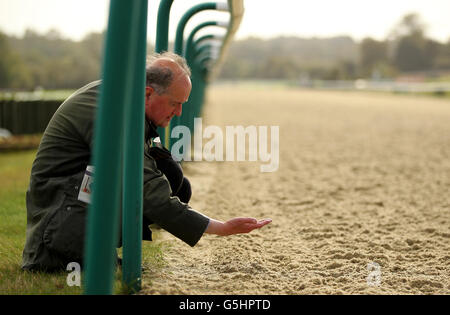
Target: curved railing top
point(236, 8)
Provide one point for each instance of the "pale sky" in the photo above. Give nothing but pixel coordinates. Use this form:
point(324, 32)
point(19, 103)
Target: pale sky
point(262, 18)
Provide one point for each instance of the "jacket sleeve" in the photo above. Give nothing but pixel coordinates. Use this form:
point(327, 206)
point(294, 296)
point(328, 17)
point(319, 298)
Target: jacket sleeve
point(169, 212)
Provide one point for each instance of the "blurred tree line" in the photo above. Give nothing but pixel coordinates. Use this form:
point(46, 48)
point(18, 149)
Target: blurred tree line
point(49, 60)
point(52, 62)
point(406, 49)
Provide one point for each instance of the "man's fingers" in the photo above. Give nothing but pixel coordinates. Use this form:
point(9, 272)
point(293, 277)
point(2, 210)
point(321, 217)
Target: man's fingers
point(265, 222)
point(253, 221)
point(261, 223)
point(244, 225)
point(257, 224)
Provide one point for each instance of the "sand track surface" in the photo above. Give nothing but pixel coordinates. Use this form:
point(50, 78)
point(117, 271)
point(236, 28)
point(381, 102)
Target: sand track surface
point(360, 202)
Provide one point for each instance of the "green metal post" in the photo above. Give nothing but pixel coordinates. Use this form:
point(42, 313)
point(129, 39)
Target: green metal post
point(162, 44)
point(193, 107)
point(196, 61)
point(197, 49)
point(119, 65)
point(202, 71)
point(189, 109)
point(162, 27)
point(134, 163)
point(188, 116)
point(203, 59)
point(190, 39)
point(203, 38)
point(178, 46)
point(200, 50)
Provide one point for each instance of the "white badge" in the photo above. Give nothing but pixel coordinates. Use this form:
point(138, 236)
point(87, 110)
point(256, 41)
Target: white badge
point(157, 142)
point(86, 185)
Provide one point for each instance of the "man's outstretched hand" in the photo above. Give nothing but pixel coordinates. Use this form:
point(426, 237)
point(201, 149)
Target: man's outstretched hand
point(235, 226)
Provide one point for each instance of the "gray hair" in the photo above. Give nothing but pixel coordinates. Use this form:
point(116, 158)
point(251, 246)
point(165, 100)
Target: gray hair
point(160, 78)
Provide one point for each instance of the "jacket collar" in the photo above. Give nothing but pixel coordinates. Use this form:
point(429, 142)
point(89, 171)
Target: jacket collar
point(150, 130)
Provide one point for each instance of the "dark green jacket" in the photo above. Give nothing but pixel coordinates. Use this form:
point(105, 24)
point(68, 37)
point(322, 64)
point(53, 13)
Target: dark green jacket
point(56, 218)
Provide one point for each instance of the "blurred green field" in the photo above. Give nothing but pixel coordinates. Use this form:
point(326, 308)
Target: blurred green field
point(256, 84)
point(36, 95)
point(14, 171)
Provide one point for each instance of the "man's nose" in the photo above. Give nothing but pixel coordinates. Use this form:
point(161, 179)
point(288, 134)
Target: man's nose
point(178, 110)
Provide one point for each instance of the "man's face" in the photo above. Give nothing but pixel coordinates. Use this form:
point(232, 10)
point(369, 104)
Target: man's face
point(160, 109)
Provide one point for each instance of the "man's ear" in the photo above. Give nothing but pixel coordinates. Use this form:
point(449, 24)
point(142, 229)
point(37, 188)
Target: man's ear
point(149, 90)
